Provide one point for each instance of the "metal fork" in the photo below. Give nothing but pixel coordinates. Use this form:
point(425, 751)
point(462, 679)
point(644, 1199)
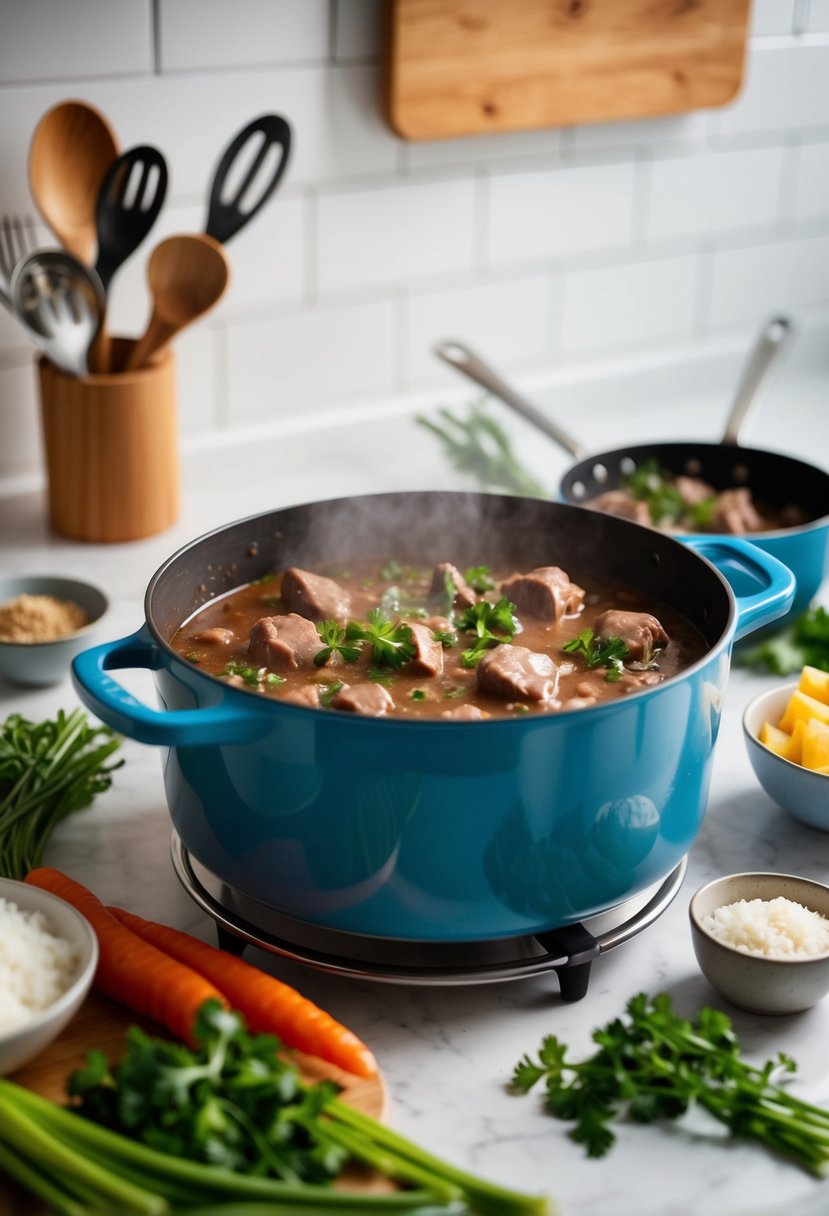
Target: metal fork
point(17, 239)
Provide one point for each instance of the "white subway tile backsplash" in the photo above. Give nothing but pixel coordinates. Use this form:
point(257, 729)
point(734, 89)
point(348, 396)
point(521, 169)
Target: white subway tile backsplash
point(357, 29)
point(42, 40)
point(817, 21)
point(20, 443)
point(394, 233)
point(772, 17)
point(785, 90)
point(610, 238)
point(544, 147)
point(508, 323)
point(628, 305)
point(682, 129)
point(564, 211)
point(246, 32)
point(715, 192)
point(812, 195)
point(281, 364)
point(751, 283)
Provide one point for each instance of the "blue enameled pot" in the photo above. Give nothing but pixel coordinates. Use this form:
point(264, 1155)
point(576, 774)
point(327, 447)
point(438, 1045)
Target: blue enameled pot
point(437, 830)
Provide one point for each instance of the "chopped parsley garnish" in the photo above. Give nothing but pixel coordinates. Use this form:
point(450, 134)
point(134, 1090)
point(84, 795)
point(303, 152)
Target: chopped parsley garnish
point(253, 676)
point(492, 623)
point(391, 644)
point(264, 578)
point(193, 657)
point(653, 485)
point(328, 691)
point(446, 637)
point(451, 693)
point(598, 652)
point(377, 676)
point(333, 635)
point(417, 694)
point(479, 579)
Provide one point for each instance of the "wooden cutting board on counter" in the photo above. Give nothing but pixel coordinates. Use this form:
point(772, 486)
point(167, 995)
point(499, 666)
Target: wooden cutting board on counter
point(465, 67)
point(102, 1024)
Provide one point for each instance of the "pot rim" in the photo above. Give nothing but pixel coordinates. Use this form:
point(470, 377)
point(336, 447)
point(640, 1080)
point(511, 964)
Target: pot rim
point(391, 721)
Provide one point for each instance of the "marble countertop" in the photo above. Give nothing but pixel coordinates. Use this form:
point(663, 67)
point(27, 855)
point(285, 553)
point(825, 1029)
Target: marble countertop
point(447, 1053)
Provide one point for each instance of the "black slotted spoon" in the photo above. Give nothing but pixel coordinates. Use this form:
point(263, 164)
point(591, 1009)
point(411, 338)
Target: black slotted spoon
point(129, 200)
point(225, 216)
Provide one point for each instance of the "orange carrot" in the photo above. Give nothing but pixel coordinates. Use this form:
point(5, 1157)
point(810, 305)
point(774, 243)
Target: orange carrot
point(267, 1004)
point(130, 970)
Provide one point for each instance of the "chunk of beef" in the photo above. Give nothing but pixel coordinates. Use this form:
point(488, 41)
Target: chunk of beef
point(545, 592)
point(735, 513)
point(641, 632)
point(309, 697)
point(428, 655)
point(518, 672)
point(464, 713)
point(373, 700)
point(216, 636)
point(623, 504)
point(465, 597)
point(284, 643)
point(315, 597)
point(693, 490)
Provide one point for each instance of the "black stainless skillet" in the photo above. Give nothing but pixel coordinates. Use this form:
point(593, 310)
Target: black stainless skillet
point(771, 476)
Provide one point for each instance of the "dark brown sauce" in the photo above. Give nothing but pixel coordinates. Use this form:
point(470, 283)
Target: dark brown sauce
point(225, 654)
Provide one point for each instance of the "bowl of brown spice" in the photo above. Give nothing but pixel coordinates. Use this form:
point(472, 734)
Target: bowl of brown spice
point(45, 621)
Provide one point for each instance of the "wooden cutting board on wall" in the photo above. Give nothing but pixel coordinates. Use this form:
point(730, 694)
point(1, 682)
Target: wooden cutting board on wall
point(466, 67)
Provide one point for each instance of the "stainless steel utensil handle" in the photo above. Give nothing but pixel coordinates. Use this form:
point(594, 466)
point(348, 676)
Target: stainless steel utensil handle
point(464, 360)
point(761, 363)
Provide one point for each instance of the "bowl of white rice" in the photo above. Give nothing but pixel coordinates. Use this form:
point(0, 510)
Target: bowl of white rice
point(762, 940)
point(48, 956)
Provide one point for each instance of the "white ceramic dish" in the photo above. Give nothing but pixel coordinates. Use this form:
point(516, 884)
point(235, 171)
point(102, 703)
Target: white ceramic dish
point(751, 981)
point(800, 791)
point(19, 1046)
point(39, 664)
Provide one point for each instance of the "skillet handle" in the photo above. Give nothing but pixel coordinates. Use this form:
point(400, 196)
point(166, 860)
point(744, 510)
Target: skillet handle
point(215, 724)
point(746, 567)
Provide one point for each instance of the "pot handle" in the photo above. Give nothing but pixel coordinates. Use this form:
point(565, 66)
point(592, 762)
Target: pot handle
point(746, 566)
point(113, 704)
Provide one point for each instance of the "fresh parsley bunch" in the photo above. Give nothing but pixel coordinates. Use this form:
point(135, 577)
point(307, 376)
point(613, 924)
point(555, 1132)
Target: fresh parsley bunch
point(610, 652)
point(653, 1065)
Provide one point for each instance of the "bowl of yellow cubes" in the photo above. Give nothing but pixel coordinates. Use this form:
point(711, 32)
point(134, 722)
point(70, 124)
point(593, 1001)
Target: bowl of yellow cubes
point(787, 736)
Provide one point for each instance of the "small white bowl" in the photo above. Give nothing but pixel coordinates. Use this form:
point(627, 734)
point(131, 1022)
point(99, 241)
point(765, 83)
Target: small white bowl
point(800, 791)
point(39, 664)
point(752, 981)
point(19, 1046)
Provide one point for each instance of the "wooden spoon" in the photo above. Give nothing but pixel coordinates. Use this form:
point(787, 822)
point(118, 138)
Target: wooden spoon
point(72, 148)
point(187, 275)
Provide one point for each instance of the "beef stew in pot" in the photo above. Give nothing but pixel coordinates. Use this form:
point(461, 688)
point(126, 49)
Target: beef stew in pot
point(406, 640)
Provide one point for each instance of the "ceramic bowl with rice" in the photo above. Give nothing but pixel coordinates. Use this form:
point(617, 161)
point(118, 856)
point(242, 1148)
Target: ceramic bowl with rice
point(762, 940)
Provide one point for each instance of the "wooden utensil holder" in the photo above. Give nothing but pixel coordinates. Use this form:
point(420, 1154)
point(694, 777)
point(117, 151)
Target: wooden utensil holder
point(111, 447)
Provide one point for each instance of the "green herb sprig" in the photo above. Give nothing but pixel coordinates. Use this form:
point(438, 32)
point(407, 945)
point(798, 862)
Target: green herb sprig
point(254, 677)
point(48, 771)
point(479, 579)
point(391, 643)
point(654, 1065)
point(479, 446)
point(491, 623)
point(333, 636)
point(804, 643)
point(655, 486)
point(596, 652)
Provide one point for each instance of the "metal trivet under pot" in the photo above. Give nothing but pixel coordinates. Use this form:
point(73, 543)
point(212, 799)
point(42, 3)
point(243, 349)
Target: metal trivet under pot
point(569, 951)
